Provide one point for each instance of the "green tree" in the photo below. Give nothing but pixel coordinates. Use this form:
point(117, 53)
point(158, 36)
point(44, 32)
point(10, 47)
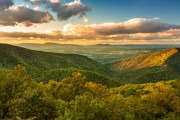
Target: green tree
point(68, 88)
point(13, 85)
point(84, 107)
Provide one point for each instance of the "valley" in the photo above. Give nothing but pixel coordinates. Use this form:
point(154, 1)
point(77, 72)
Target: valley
point(43, 85)
point(151, 66)
point(102, 53)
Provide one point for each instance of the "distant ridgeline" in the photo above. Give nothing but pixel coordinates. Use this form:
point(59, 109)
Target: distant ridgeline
point(44, 66)
point(152, 67)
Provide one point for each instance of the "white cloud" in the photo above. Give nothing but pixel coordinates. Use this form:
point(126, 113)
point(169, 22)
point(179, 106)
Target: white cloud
point(54, 1)
point(136, 25)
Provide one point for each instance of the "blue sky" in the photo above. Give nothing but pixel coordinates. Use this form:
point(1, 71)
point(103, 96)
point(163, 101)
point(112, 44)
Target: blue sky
point(121, 10)
point(90, 21)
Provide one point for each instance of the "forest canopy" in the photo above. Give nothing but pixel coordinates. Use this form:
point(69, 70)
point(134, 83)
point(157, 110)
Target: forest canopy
point(75, 98)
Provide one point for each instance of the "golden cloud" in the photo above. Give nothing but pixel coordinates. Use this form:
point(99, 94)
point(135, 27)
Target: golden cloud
point(132, 30)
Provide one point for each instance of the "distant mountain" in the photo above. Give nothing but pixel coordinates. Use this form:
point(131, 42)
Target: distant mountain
point(151, 67)
point(39, 63)
point(46, 46)
point(102, 44)
point(102, 53)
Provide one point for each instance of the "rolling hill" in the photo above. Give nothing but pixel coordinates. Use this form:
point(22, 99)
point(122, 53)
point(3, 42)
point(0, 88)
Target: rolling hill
point(45, 66)
point(151, 67)
point(38, 63)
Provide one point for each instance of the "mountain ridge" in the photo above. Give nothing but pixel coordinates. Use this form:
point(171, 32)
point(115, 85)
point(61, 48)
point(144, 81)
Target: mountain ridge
point(145, 60)
point(38, 62)
point(152, 67)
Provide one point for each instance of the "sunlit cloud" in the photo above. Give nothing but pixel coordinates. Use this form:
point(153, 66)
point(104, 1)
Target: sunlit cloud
point(85, 20)
point(136, 25)
point(54, 1)
point(43, 1)
point(129, 32)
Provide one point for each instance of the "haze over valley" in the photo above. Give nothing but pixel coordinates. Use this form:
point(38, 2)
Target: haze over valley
point(102, 53)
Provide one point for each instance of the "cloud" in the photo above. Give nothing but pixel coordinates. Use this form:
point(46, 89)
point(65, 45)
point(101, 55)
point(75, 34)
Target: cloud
point(136, 25)
point(55, 34)
point(37, 1)
point(52, 35)
point(23, 15)
point(22, 35)
point(133, 29)
point(54, 1)
point(12, 15)
point(166, 37)
point(64, 11)
point(68, 10)
point(85, 20)
point(4, 4)
point(138, 32)
point(43, 1)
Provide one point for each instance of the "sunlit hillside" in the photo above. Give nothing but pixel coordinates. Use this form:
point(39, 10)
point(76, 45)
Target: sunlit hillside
point(145, 60)
point(152, 67)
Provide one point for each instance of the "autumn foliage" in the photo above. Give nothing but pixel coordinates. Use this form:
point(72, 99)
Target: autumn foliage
point(75, 98)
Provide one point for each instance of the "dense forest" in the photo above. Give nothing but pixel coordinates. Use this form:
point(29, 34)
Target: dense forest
point(75, 98)
point(50, 86)
point(43, 66)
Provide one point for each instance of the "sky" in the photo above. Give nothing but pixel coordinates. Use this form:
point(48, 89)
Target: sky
point(89, 22)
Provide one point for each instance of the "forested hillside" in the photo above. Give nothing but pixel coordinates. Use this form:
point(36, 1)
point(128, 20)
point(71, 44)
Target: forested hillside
point(11, 56)
point(43, 64)
point(75, 98)
point(152, 67)
point(74, 87)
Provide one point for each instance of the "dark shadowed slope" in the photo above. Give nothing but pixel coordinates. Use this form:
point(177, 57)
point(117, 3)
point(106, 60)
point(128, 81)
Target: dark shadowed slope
point(157, 66)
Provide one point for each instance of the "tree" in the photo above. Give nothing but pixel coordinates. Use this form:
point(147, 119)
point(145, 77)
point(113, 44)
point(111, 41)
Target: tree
point(13, 85)
point(68, 88)
point(83, 107)
point(161, 100)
